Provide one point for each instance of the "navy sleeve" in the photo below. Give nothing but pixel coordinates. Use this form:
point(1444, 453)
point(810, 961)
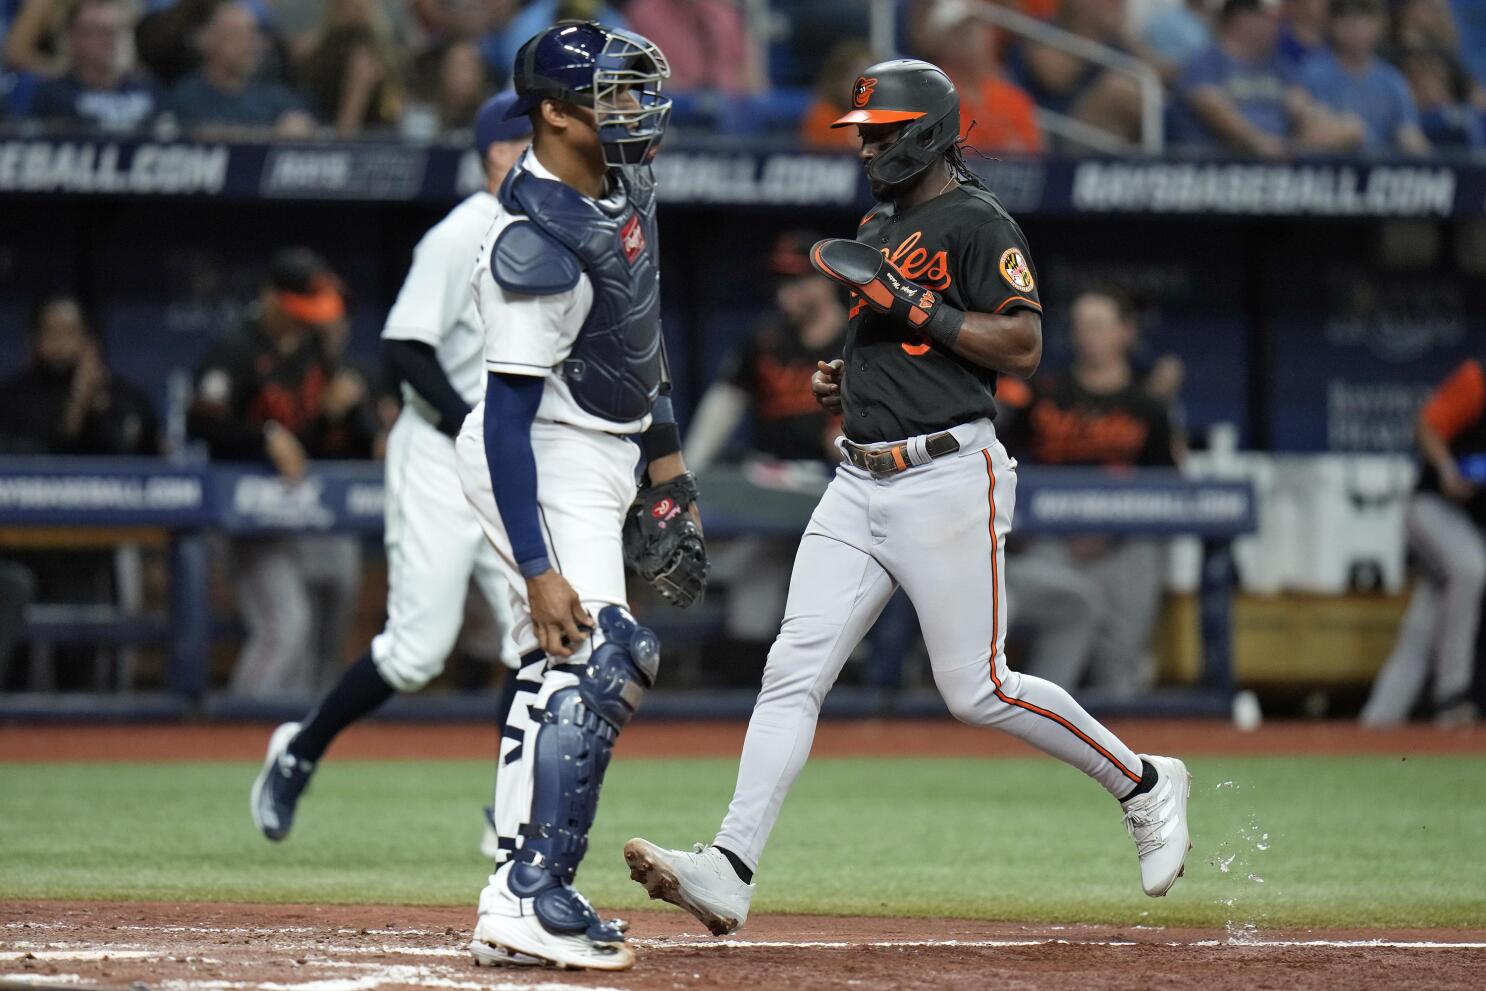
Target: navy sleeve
point(511, 403)
point(417, 364)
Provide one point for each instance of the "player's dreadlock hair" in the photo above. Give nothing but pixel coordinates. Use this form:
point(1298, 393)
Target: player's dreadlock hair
point(954, 157)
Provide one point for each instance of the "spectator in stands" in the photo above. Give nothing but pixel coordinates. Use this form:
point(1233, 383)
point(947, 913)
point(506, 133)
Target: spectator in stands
point(1093, 600)
point(451, 81)
point(33, 39)
point(1426, 44)
point(97, 88)
point(1240, 95)
point(352, 72)
point(1071, 85)
point(1175, 32)
point(995, 115)
point(1470, 28)
point(67, 401)
point(833, 85)
point(769, 376)
point(446, 20)
point(706, 42)
point(1447, 120)
point(225, 93)
point(500, 45)
point(1349, 78)
point(1303, 30)
point(1444, 526)
point(272, 392)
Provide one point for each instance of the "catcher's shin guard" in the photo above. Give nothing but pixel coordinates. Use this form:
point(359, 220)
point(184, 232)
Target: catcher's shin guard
point(573, 741)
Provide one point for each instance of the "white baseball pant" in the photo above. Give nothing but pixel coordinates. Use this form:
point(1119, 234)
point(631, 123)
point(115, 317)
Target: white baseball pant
point(434, 544)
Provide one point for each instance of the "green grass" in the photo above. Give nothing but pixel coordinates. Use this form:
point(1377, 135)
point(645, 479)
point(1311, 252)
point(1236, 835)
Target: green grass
point(1350, 841)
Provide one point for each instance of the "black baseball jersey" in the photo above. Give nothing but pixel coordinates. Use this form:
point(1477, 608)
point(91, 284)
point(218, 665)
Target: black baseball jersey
point(1055, 420)
point(965, 246)
point(774, 367)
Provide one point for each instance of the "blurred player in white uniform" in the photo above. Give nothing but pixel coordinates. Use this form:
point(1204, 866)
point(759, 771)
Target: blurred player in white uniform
point(434, 339)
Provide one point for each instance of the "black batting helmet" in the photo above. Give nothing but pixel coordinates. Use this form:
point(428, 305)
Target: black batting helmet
point(917, 94)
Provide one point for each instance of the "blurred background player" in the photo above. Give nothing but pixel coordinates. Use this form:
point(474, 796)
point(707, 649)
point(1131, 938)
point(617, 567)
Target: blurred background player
point(66, 401)
point(767, 380)
point(433, 340)
point(1446, 529)
point(274, 390)
point(1090, 601)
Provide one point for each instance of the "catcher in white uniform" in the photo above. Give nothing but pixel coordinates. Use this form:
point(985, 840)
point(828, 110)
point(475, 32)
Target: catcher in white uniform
point(944, 297)
point(568, 289)
point(434, 339)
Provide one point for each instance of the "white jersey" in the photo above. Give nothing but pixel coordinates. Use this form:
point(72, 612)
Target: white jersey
point(533, 335)
point(435, 305)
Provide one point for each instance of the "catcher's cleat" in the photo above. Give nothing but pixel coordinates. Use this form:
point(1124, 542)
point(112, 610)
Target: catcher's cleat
point(278, 787)
point(702, 882)
point(511, 927)
point(1157, 822)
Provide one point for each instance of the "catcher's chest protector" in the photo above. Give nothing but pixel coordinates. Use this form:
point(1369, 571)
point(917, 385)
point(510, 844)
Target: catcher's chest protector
point(614, 370)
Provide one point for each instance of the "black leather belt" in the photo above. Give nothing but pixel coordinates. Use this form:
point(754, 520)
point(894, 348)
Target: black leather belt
point(893, 459)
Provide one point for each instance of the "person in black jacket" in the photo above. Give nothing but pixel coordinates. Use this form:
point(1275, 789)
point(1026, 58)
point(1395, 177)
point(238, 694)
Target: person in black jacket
point(66, 401)
point(275, 390)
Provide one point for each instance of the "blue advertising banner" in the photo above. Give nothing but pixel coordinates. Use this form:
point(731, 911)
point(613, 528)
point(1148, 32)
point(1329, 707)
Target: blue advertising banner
point(708, 175)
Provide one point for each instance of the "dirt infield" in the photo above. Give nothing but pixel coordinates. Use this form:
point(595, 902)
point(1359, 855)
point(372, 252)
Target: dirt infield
point(867, 738)
point(196, 947)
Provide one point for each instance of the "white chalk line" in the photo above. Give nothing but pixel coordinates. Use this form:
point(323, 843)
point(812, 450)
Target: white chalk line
point(1341, 944)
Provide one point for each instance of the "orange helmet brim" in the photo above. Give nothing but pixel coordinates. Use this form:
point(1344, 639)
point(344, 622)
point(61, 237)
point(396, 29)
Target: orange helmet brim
point(869, 116)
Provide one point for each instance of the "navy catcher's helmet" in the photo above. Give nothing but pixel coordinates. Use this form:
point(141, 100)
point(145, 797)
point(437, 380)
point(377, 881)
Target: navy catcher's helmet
point(585, 63)
point(920, 96)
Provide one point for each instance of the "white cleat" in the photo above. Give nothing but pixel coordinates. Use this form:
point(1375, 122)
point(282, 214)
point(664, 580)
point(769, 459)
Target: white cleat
point(702, 882)
point(1157, 822)
point(508, 933)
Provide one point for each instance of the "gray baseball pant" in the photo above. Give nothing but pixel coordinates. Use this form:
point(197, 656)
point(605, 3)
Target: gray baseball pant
point(938, 530)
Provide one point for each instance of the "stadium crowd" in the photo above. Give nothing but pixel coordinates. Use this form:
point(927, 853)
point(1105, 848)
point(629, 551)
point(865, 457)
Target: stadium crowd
point(1268, 78)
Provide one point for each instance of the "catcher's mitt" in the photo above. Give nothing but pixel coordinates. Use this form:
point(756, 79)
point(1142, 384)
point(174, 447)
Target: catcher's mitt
point(664, 544)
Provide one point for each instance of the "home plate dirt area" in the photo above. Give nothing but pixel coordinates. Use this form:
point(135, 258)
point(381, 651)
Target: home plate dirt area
point(186, 947)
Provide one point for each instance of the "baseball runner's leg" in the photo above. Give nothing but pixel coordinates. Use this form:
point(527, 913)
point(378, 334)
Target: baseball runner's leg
point(432, 539)
point(568, 712)
point(949, 570)
point(1401, 679)
point(836, 593)
point(1452, 547)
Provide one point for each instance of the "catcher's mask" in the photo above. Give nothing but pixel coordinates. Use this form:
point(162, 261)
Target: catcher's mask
point(919, 96)
point(617, 74)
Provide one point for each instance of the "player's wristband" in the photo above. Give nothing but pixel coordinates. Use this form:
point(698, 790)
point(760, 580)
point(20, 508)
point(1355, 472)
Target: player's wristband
point(534, 567)
point(663, 436)
point(885, 288)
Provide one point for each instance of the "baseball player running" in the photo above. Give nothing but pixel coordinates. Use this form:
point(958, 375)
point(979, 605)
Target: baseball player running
point(568, 291)
point(434, 339)
point(945, 298)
